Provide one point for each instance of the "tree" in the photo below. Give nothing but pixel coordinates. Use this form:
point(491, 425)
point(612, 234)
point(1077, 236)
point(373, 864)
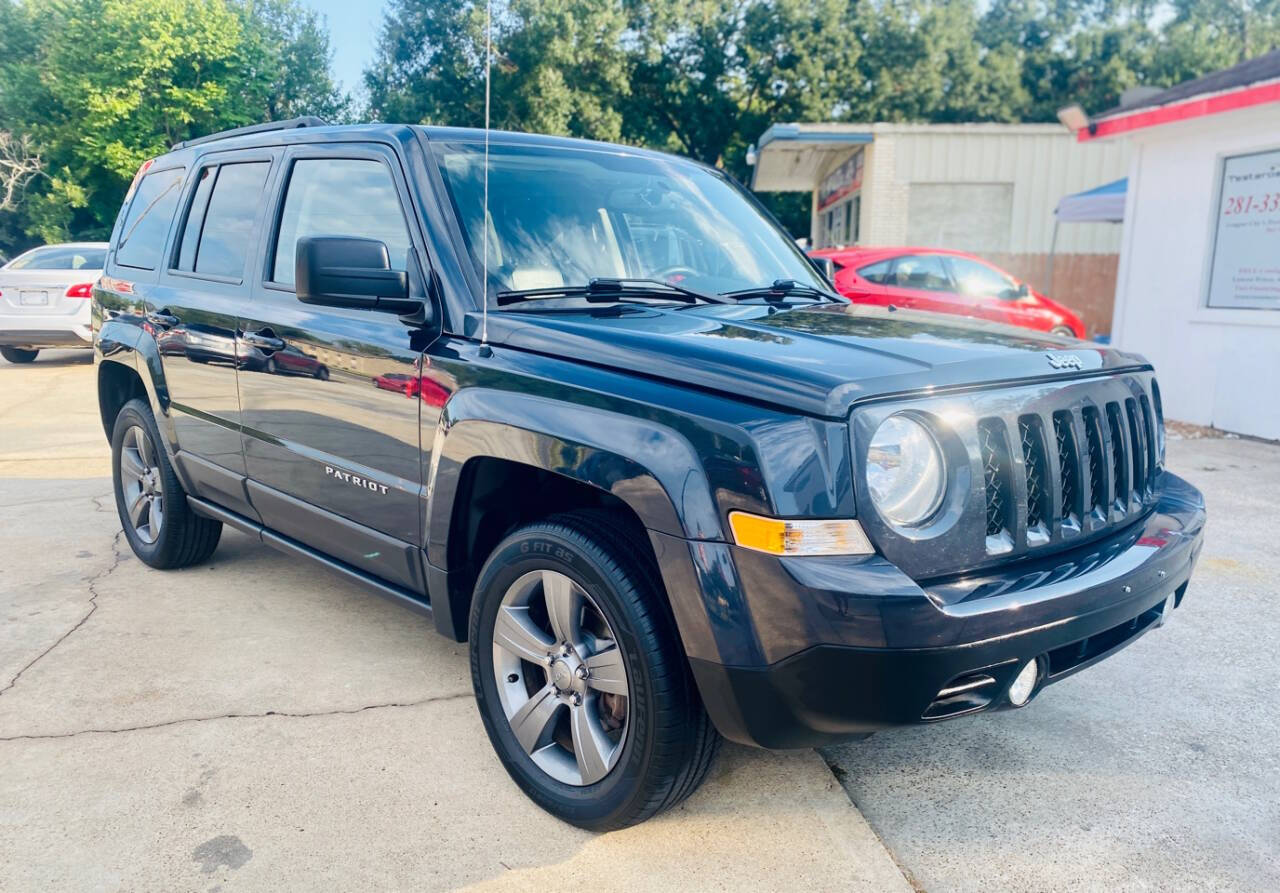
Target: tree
point(556, 67)
point(99, 86)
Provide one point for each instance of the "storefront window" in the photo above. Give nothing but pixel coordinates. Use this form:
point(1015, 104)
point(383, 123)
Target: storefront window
point(1244, 267)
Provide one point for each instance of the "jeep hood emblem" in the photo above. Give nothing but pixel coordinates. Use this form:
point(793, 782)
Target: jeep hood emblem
point(1064, 361)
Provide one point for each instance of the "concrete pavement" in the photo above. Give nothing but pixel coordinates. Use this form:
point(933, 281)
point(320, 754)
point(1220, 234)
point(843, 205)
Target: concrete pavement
point(258, 724)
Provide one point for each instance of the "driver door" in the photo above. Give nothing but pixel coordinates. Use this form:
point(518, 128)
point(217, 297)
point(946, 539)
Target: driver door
point(333, 458)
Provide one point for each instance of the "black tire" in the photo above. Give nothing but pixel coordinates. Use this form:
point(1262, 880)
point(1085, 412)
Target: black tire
point(322, 373)
point(184, 537)
point(1062, 332)
point(271, 367)
point(18, 355)
point(670, 742)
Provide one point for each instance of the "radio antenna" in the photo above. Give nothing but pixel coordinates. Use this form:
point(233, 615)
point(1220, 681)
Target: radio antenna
point(484, 221)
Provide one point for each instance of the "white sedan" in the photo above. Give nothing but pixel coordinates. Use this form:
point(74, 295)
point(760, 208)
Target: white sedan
point(45, 298)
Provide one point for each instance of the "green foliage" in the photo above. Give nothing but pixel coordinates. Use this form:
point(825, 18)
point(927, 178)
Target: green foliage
point(102, 85)
point(706, 77)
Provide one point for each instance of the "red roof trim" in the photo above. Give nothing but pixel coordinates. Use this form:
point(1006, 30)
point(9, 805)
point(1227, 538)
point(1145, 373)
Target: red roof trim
point(1183, 111)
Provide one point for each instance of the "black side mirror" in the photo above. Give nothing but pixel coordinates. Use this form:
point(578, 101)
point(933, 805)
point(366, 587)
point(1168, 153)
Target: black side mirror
point(1022, 291)
point(824, 265)
point(343, 271)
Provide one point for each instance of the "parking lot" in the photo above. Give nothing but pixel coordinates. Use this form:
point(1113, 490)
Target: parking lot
point(258, 724)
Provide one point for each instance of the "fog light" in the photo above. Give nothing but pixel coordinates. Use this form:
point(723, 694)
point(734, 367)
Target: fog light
point(1025, 683)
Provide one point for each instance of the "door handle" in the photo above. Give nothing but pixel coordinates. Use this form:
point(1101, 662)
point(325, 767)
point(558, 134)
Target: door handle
point(161, 318)
point(266, 342)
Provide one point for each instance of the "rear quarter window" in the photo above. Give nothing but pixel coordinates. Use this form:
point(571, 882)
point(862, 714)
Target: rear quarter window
point(146, 226)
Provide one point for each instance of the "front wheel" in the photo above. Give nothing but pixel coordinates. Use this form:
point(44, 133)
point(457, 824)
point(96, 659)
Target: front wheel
point(578, 673)
point(18, 354)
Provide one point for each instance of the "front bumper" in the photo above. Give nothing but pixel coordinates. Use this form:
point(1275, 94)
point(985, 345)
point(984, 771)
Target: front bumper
point(1068, 610)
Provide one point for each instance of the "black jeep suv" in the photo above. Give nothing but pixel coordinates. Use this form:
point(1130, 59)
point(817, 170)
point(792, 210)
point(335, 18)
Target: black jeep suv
point(590, 409)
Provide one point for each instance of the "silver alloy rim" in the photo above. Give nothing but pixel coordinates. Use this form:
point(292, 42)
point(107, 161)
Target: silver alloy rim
point(142, 484)
point(561, 678)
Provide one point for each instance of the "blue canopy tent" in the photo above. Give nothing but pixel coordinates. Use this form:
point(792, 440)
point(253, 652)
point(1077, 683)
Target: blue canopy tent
point(1101, 204)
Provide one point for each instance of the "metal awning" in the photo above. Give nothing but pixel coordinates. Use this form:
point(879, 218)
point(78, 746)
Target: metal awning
point(791, 157)
point(1102, 204)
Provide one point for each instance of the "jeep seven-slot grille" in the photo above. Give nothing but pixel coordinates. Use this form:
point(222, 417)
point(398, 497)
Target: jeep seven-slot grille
point(995, 475)
point(1068, 467)
point(1098, 470)
point(1119, 467)
point(1036, 467)
point(1097, 483)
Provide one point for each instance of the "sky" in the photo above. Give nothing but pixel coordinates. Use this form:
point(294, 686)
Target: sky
point(353, 31)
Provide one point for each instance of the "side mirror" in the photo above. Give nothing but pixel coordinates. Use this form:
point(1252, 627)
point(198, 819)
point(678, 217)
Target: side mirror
point(343, 271)
point(826, 266)
point(1023, 290)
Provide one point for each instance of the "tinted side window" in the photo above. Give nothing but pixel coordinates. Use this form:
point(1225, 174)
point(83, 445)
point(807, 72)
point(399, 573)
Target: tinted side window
point(340, 197)
point(147, 225)
point(979, 280)
point(923, 271)
point(877, 273)
point(227, 231)
point(195, 220)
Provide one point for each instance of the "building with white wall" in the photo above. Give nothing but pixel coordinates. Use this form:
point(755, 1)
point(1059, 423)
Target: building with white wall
point(1198, 288)
point(986, 188)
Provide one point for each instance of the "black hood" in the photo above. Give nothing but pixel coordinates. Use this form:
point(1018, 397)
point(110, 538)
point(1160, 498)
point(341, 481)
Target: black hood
point(819, 359)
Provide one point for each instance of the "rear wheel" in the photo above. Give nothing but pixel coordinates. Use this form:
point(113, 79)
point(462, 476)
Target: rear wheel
point(160, 526)
point(1063, 331)
point(18, 354)
point(579, 676)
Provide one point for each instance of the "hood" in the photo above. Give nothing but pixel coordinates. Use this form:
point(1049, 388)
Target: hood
point(818, 359)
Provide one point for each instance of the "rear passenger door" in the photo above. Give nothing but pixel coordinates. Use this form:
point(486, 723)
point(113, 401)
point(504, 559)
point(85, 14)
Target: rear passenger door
point(194, 310)
point(333, 457)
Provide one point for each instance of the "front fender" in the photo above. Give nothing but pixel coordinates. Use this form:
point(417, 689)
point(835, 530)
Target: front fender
point(651, 468)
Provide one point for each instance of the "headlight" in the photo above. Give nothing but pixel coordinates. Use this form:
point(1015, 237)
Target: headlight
point(905, 472)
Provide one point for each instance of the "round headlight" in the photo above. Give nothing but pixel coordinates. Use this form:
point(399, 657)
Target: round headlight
point(905, 472)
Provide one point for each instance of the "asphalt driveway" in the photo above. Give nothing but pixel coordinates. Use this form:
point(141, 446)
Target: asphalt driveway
point(257, 723)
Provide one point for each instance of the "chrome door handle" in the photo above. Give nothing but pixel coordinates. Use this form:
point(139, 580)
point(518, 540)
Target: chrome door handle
point(264, 341)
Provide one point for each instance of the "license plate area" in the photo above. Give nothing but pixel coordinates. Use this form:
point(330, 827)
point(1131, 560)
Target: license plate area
point(31, 298)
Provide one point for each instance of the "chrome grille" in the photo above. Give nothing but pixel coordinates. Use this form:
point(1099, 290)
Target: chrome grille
point(1036, 466)
point(1119, 468)
point(995, 475)
point(1097, 483)
point(1050, 465)
point(1068, 468)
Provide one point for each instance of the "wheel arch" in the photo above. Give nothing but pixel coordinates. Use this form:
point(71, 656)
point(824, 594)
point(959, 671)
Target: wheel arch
point(495, 465)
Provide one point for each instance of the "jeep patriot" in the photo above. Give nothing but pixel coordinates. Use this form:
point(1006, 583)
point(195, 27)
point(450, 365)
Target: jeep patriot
point(589, 409)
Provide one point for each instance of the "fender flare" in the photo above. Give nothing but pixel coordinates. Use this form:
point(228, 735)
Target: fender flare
point(650, 467)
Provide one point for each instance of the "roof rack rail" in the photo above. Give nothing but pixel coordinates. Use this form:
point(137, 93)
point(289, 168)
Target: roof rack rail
point(305, 121)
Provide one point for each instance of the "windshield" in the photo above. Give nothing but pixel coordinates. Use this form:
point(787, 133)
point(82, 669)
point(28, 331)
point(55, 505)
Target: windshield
point(564, 216)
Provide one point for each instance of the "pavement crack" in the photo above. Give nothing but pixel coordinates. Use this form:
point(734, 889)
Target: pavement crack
point(187, 720)
point(92, 584)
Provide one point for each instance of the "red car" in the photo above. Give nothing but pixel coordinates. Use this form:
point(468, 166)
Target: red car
point(945, 282)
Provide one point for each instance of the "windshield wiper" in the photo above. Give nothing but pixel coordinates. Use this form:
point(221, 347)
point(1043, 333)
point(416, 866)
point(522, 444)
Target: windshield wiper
point(778, 291)
point(603, 290)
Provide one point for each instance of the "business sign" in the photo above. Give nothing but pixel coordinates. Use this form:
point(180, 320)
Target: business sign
point(842, 181)
point(1246, 248)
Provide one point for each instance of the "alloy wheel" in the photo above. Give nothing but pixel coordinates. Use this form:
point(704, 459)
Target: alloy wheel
point(142, 483)
point(561, 677)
